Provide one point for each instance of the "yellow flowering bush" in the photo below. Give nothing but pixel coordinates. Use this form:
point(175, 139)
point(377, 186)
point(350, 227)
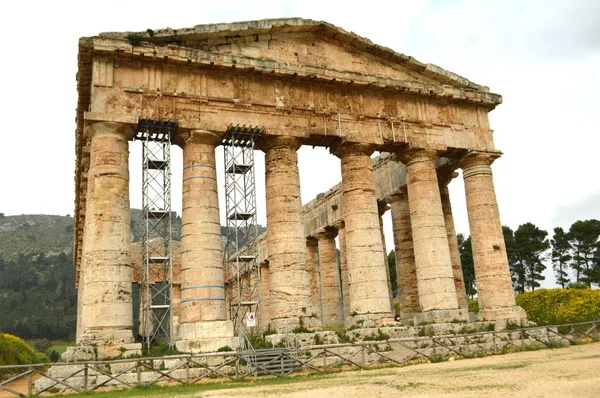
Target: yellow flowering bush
point(561, 306)
point(14, 351)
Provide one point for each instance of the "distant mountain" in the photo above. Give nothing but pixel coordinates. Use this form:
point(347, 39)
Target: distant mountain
point(35, 233)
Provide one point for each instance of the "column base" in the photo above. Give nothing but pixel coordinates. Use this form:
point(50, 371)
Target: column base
point(206, 337)
point(103, 344)
point(366, 320)
point(304, 324)
point(442, 316)
point(100, 352)
point(501, 316)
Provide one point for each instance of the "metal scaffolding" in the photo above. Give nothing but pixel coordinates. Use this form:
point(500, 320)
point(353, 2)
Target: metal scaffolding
point(241, 249)
point(157, 256)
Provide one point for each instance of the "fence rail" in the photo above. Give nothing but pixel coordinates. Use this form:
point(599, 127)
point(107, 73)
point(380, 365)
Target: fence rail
point(83, 377)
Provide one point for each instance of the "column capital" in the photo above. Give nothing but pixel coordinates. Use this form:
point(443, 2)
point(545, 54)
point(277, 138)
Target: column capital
point(339, 225)
point(327, 233)
point(445, 176)
point(269, 142)
point(352, 148)
point(382, 207)
point(126, 131)
point(311, 241)
point(198, 137)
point(399, 194)
point(478, 159)
point(413, 155)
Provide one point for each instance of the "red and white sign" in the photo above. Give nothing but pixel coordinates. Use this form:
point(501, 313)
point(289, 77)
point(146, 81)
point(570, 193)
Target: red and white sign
point(250, 319)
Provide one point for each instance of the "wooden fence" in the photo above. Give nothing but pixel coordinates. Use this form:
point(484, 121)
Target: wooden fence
point(83, 377)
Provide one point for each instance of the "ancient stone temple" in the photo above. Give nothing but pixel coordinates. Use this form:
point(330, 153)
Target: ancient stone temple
point(304, 83)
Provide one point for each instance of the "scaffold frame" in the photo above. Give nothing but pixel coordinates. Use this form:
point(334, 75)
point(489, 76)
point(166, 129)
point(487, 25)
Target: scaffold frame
point(241, 248)
point(156, 287)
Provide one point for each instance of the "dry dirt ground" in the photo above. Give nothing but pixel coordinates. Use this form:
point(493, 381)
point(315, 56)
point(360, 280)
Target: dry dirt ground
point(559, 372)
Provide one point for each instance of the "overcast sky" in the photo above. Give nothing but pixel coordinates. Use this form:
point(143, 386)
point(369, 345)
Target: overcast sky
point(543, 57)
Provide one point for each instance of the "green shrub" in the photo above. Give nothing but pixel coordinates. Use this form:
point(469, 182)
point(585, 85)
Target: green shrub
point(473, 306)
point(42, 345)
point(561, 306)
point(14, 351)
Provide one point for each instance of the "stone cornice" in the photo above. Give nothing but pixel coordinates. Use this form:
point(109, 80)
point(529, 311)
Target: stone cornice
point(199, 34)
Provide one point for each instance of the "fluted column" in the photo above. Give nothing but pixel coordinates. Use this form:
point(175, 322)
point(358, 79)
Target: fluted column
point(405, 258)
point(314, 276)
point(344, 269)
point(106, 303)
point(264, 294)
point(494, 287)
point(290, 290)
point(444, 179)
point(331, 292)
point(369, 296)
point(203, 306)
point(437, 293)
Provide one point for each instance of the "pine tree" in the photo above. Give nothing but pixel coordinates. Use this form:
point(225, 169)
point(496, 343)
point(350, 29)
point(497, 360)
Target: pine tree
point(517, 269)
point(468, 267)
point(583, 237)
point(530, 247)
point(561, 256)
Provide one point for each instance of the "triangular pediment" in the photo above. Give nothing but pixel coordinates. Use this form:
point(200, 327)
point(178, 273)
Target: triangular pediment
point(305, 44)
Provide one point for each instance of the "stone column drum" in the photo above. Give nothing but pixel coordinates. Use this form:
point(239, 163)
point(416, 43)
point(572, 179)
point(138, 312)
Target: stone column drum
point(331, 292)
point(344, 269)
point(367, 280)
point(203, 317)
point(288, 277)
point(264, 296)
point(494, 287)
point(106, 303)
point(406, 271)
point(314, 276)
point(437, 294)
point(444, 179)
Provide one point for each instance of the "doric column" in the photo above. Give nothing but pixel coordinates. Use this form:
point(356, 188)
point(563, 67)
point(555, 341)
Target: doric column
point(369, 296)
point(494, 287)
point(382, 207)
point(264, 294)
point(444, 178)
point(437, 295)
point(331, 292)
point(405, 257)
point(106, 303)
point(290, 290)
point(344, 269)
point(203, 306)
point(314, 276)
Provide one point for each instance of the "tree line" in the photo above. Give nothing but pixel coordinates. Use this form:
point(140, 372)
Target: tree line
point(574, 255)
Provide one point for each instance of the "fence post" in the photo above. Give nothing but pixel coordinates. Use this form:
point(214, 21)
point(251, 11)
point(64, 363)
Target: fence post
point(138, 371)
point(30, 382)
point(364, 357)
point(187, 370)
point(85, 378)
